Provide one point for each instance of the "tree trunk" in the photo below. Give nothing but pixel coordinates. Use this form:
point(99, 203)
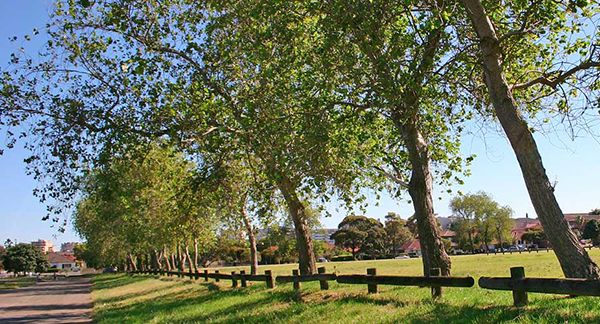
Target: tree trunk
point(251, 238)
point(306, 262)
point(420, 190)
point(156, 260)
point(166, 258)
point(575, 262)
point(196, 254)
point(173, 262)
point(132, 261)
point(189, 259)
point(471, 242)
point(180, 258)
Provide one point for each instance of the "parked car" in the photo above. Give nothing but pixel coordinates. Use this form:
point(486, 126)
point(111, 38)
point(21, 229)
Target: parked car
point(402, 257)
point(109, 270)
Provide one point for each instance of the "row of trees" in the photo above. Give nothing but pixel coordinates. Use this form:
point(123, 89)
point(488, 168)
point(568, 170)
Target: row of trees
point(294, 103)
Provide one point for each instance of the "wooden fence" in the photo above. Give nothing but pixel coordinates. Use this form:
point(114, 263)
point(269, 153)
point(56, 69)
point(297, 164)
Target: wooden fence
point(521, 285)
point(371, 279)
point(517, 282)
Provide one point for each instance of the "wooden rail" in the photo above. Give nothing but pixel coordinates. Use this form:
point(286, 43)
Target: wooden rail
point(234, 277)
point(436, 282)
point(520, 285)
point(296, 278)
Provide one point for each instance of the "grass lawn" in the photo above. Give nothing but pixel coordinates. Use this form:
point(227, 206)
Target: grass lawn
point(145, 299)
point(13, 283)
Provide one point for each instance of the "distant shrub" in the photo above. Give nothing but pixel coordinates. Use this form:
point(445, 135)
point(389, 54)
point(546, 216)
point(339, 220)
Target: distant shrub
point(342, 258)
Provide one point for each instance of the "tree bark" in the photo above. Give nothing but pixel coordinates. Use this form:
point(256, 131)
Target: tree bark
point(156, 260)
point(180, 258)
point(173, 262)
point(166, 258)
point(196, 254)
point(189, 258)
point(251, 239)
point(574, 260)
point(420, 190)
point(306, 262)
point(132, 261)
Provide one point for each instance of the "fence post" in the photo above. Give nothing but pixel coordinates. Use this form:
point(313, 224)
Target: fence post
point(519, 297)
point(217, 279)
point(244, 283)
point(205, 275)
point(436, 292)
point(233, 280)
point(372, 288)
point(270, 279)
point(323, 283)
point(296, 283)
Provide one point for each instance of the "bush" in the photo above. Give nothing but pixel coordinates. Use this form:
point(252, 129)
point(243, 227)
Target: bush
point(342, 258)
point(52, 270)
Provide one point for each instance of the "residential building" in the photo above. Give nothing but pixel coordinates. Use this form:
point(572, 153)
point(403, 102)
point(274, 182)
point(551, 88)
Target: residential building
point(68, 247)
point(578, 220)
point(44, 245)
point(61, 261)
point(412, 247)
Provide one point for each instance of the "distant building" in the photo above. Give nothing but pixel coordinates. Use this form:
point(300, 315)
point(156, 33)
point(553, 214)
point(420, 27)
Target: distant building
point(68, 247)
point(578, 220)
point(412, 247)
point(44, 245)
point(446, 222)
point(61, 261)
point(324, 235)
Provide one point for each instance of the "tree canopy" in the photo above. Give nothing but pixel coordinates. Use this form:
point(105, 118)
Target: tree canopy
point(24, 258)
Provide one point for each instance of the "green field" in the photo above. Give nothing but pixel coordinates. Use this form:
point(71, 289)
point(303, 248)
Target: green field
point(146, 299)
point(13, 283)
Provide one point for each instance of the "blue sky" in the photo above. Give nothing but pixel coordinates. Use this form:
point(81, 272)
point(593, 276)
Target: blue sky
point(573, 164)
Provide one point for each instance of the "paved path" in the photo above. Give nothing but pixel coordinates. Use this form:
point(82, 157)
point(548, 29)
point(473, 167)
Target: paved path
point(64, 301)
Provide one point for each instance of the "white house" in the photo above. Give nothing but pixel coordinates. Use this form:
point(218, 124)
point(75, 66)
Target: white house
point(60, 261)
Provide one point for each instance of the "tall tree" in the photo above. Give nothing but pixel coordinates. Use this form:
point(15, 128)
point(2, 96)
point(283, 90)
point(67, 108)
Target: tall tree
point(396, 233)
point(527, 22)
point(360, 234)
point(474, 211)
point(388, 59)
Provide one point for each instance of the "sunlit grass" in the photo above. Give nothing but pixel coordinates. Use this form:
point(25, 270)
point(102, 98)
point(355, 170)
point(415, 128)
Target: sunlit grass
point(146, 299)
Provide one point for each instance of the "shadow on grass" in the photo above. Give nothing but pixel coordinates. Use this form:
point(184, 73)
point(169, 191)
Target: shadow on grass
point(219, 304)
point(108, 281)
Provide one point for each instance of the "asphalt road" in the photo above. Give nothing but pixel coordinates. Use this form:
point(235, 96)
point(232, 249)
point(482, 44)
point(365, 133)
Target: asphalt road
point(64, 301)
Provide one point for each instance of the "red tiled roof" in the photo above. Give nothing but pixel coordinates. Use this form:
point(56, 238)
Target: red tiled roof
point(448, 233)
point(414, 245)
point(58, 258)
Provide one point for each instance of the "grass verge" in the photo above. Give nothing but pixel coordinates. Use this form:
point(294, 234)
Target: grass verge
point(145, 299)
point(14, 283)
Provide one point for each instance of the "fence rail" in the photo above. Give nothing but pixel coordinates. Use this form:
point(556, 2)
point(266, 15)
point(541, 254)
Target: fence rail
point(517, 282)
point(521, 285)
